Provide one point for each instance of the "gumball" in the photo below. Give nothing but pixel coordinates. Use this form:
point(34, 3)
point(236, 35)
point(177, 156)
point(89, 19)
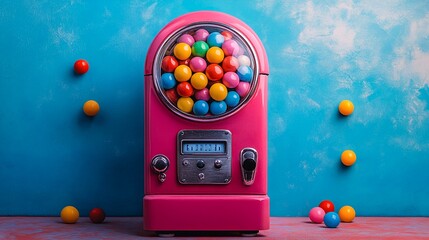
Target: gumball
point(347, 214)
point(69, 214)
point(215, 39)
point(244, 60)
point(348, 158)
point(168, 81)
point(218, 91)
point(198, 64)
point(199, 80)
point(245, 73)
point(184, 62)
point(346, 107)
point(169, 63)
point(243, 88)
point(185, 104)
point(186, 38)
point(81, 66)
point(331, 219)
point(327, 206)
point(316, 215)
point(218, 107)
point(230, 79)
point(201, 35)
point(202, 94)
point(184, 89)
point(200, 48)
point(182, 73)
point(182, 51)
point(97, 215)
point(200, 108)
point(227, 35)
point(230, 47)
point(214, 72)
point(91, 108)
point(172, 95)
point(232, 99)
point(230, 64)
point(215, 55)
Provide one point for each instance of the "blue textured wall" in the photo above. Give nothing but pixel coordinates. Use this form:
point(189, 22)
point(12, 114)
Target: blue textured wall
point(375, 54)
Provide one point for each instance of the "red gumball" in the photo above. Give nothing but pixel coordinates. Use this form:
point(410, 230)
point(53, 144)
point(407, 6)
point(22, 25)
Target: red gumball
point(169, 63)
point(172, 95)
point(97, 215)
point(81, 66)
point(214, 72)
point(327, 206)
point(185, 89)
point(227, 35)
point(230, 64)
point(184, 62)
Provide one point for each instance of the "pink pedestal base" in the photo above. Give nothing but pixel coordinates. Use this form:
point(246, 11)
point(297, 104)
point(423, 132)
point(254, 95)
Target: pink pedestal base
point(206, 212)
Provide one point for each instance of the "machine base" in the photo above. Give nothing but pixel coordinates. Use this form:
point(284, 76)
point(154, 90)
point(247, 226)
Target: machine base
point(206, 213)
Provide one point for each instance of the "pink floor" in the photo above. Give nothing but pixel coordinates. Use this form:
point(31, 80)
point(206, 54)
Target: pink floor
point(281, 228)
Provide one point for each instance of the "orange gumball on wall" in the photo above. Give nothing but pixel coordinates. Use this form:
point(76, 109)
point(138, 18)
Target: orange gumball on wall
point(346, 107)
point(91, 108)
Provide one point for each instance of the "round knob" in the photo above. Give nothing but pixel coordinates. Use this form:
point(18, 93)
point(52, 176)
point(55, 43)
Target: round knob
point(218, 163)
point(249, 164)
point(200, 164)
point(160, 163)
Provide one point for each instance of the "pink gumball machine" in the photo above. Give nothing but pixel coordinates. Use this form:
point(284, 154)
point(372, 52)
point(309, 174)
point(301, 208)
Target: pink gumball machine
point(206, 159)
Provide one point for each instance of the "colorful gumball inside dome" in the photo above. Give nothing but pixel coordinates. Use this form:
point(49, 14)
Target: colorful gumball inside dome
point(206, 71)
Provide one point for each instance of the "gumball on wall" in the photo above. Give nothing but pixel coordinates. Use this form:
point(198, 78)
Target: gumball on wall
point(346, 107)
point(81, 66)
point(348, 158)
point(91, 108)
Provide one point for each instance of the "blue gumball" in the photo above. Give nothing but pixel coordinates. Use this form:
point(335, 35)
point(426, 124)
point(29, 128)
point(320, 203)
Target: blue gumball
point(331, 219)
point(232, 99)
point(218, 107)
point(245, 73)
point(168, 81)
point(200, 108)
point(215, 39)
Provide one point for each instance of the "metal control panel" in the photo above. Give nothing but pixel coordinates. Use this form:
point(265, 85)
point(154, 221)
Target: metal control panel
point(204, 156)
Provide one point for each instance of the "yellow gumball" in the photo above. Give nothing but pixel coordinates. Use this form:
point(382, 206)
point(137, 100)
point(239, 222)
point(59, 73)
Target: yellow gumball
point(218, 91)
point(348, 157)
point(182, 73)
point(199, 80)
point(69, 214)
point(182, 51)
point(346, 107)
point(215, 55)
point(347, 214)
point(185, 104)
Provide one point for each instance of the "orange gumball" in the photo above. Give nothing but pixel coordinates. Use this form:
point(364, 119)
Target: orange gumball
point(346, 107)
point(348, 157)
point(91, 108)
point(347, 214)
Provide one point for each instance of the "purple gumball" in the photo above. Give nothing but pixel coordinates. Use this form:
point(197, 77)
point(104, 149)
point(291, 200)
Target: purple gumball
point(201, 35)
point(198, 64)
point(230, 79)
point(186, 38)
point(202, 94)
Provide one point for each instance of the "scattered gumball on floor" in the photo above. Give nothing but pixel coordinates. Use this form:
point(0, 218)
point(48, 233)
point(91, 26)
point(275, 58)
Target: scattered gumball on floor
point(81, 66)
point(327, 206)
point(347, 214)
point(316, 215)
point(97, 215)
point(346, 107)
point(331, 219)
point(91, 108)
point(69, 214)
point(348, 157)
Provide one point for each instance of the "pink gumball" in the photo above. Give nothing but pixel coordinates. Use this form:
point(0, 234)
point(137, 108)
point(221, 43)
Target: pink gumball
point(202, 94)
point(242, 88)
point(186, 38)
point(316, 214)
point(230, 48)
point(230, 79)
point(201, 35)
point(198, 64)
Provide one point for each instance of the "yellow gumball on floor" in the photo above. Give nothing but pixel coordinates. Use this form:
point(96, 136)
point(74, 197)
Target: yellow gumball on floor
point(69, 214)
point(346, 107)
point(185, 104)
point(347, 214)
point(91, 108)
point(348, 157)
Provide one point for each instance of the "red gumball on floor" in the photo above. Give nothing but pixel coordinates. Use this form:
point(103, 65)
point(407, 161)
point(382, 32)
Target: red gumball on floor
point(327, 206)
point(97, 215)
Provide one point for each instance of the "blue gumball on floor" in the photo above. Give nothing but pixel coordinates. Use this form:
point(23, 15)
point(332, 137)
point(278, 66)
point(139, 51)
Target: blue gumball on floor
point(331, 219)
